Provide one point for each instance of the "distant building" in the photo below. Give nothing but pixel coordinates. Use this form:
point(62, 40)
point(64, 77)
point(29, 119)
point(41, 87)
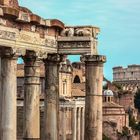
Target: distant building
point(128, 78)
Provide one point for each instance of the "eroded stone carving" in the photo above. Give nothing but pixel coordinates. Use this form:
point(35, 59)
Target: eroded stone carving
point(41, 54)
point(76, 32)
point(50, 42)
point(68, 32)
point(7, 35)
point(24, 17)
point(81, 44)
point(83, 32)
point(12, 52)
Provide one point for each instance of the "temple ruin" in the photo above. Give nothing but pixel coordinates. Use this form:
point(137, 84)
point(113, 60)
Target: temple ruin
point(35, 39)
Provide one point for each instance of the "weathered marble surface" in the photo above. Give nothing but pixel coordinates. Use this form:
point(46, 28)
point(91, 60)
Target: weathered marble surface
point(8, 98)
point(93, 101)
point(51, 131)
point(31, 96)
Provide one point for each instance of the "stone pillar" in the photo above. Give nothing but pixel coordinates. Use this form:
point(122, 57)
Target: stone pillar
point(74, 123)
point(51, 131)
point(82, 122)
point(31, 96)
point(64, 124)
point(78, 122)
point(0, 97)
point(93, 101)
point(8, 95)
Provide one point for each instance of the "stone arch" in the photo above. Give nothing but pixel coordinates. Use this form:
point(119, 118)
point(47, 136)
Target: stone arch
point(76, 79)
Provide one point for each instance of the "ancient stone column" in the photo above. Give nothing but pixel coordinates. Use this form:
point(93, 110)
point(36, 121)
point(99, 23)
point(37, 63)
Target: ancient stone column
point(78, 122)
point(31, 96)
point(74, 123)
point(8, 95)
point(0, 96)
point(51, 118)
point(93, 101)
point(82, 122)
point(64, 124)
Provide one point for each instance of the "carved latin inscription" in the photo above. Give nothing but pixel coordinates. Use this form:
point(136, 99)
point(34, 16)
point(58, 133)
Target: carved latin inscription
point(81, 44)
point(7, 35)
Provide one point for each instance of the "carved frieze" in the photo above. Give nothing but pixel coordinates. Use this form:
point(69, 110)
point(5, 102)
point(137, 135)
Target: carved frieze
point(50, 42)
point(78, 44)
point(32, 38)
point(93, 58)
point(80, 31)
point(7, 35)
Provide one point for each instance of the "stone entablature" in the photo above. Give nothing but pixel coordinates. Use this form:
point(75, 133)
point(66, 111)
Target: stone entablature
point(78, 40)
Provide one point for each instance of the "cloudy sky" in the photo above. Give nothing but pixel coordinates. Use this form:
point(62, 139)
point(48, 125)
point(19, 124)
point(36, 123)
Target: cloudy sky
point(119, 21)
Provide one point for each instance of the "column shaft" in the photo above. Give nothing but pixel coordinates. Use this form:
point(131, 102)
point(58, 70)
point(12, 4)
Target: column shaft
point(93, 102)
point(8, 98)
point(31, 97)
point(51, 131)
point(79, 121)
point(82, 123)
point(64, 125)
point(74, 123)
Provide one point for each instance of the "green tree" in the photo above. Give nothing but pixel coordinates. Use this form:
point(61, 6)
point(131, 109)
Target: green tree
point(137, 100)
point(105, 137)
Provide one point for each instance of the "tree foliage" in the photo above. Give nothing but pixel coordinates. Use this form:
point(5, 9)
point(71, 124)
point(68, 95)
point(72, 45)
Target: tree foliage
point(137, 100)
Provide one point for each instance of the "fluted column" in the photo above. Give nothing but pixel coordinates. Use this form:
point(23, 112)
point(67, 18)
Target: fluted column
point(74, 123)
point(31, 96)
point(8, 95)
point(51, 131)
point(82, 122)
point(93, 101)
point(78, 122)
point(64, 124)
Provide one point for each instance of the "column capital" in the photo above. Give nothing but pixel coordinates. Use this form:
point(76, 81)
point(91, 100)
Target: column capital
point(55, 58)
point(14, 53)
point(93, 59)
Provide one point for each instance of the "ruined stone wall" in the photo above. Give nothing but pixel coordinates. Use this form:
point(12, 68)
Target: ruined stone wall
point(132, 72)
point(116, 116)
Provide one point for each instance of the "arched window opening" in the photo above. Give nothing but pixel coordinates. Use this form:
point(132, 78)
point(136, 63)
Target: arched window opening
point(76, 79)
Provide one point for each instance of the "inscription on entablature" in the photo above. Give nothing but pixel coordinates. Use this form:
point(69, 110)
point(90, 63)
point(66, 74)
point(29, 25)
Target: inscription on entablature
point(50, 42)
point(31, 39)
point(85, 44)
point(7, 35)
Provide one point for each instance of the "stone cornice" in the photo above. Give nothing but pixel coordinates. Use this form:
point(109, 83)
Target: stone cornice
point(93, 58)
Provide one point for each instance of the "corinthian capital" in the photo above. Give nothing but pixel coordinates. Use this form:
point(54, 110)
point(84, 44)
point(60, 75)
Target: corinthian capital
point(53, 58)
point(11, 52)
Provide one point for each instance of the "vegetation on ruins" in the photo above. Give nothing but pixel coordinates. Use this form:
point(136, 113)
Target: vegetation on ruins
point(133, 123)
point(105, 137)
point(137, 100)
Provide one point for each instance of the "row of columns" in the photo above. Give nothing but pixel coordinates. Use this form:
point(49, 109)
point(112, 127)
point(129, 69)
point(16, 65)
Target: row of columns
point(78, 123)
point(93, 107)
